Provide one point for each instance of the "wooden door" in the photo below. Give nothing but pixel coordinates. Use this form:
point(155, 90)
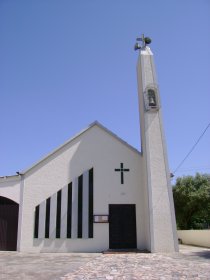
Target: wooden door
point(8, 224)
point(122, 226)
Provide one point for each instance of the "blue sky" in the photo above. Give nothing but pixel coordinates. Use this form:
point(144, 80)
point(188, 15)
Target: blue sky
point(65, 64)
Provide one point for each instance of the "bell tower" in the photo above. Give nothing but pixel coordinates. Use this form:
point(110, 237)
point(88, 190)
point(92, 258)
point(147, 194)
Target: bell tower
point(159, 211)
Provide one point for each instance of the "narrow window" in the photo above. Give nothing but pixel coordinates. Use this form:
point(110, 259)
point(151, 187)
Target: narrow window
point(90, 203)
point(58, 216)
point(80, 187)
point(69, 211)
point(47, 218)
point(36, 223)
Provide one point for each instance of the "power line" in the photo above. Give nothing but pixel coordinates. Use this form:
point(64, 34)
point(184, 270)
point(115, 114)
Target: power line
point(193, 169)
point(193, 147)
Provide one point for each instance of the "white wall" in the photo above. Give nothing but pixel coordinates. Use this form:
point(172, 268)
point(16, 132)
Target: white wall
point(98, 149)
point(10, 188)
point(195, 237)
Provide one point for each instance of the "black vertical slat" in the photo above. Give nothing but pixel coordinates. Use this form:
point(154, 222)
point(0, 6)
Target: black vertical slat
point(90, 235)
point(80, 189)
point(36, 223)
point(58, 215)
point(47, 218)
point(69, 210)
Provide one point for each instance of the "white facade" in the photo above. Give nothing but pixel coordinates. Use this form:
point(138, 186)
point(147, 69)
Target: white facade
point(62, 197)
point(96, 148)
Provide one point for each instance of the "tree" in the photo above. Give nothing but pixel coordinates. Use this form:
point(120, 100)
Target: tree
point(192, 201)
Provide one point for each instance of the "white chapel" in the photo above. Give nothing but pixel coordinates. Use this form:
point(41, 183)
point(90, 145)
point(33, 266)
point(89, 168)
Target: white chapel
point(96, 192)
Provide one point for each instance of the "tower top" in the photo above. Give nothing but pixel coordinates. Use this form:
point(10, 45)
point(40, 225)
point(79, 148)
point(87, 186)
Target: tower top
point(144, 41)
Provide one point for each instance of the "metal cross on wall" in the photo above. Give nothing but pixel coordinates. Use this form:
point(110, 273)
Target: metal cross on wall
point(122, 170)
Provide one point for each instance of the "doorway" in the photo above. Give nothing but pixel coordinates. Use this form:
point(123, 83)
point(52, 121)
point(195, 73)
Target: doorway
point(8, 224)
point(122, 226)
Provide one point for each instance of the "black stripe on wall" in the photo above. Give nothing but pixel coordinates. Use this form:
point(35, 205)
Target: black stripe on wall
point(80, 187)
point(36, 223)
point(90, 235)
point(69, 210)
point(47, 218)
point(58, 216)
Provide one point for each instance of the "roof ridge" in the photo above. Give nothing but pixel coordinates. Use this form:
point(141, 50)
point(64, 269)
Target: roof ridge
point(95, 123)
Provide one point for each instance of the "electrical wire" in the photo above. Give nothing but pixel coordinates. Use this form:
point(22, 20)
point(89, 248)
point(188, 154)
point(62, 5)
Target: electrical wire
point(193, 147)
point(193, 169)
